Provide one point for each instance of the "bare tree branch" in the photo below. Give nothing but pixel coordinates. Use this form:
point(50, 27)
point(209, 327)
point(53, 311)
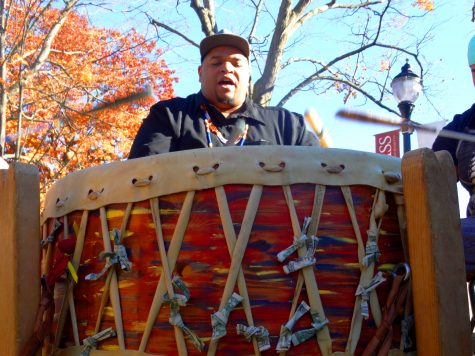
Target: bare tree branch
point(264, 86)
point(293, 60)
point(256, 19)
point(316, 11)
point(273, 47)
point(362, 91)
point(289, 20)
point(172, 30)
point(317, 75)
point(205, 13)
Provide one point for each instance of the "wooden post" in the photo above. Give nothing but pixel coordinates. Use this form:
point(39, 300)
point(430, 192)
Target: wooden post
point(19, 255)
point(436, 254)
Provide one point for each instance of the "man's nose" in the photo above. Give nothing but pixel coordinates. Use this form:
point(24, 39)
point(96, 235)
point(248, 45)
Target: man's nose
point(227, 67)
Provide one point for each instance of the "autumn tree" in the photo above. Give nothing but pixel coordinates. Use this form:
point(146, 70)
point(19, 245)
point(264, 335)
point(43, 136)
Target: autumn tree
point(283, 35)
point(55, 69)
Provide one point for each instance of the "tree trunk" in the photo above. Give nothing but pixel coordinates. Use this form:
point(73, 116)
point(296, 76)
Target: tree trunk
point(263, 87)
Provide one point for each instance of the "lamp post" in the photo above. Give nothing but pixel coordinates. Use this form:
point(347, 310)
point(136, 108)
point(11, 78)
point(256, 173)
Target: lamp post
point(406, 89)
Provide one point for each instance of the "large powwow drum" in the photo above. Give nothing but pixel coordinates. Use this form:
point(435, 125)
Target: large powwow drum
point(294, 250)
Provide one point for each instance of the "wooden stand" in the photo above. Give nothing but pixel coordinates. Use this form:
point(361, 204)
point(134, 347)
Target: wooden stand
point(19, 254)
point(436, 254)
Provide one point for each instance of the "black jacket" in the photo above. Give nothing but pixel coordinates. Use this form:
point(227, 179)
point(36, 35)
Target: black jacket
point(464, 122)
point(178, 124)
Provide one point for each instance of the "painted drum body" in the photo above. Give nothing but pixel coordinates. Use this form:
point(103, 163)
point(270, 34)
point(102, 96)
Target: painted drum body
point(215, 220)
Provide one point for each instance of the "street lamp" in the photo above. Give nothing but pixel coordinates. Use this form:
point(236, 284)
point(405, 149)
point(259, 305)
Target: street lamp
point(406, 89)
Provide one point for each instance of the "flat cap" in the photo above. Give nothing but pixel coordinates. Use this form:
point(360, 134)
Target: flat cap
point(224, 38)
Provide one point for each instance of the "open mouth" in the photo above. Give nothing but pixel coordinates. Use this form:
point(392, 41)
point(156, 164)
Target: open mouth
point(226, 83)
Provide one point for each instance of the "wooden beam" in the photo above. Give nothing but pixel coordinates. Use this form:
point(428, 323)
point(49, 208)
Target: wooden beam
point(19, 254)
point(436, 254)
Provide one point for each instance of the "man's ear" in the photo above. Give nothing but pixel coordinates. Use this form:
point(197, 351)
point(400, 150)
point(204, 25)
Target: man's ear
point(199, 74)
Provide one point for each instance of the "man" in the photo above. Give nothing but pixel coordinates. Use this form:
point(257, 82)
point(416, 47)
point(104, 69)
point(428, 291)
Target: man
point(221, 113)
point(463, 152)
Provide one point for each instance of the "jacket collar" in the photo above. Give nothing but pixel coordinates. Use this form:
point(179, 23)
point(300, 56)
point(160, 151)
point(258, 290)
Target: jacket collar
point(247, 110)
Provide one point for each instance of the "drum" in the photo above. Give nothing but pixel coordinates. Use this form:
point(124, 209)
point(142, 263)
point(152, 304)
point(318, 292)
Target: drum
point(233, 250)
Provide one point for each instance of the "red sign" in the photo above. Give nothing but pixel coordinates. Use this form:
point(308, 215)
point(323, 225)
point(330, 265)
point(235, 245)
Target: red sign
point(387, 143)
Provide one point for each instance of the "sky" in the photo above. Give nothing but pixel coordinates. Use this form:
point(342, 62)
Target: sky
point(449, 86)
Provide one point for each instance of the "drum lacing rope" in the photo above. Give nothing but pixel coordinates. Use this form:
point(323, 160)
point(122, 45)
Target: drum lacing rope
point(333, 169)
point(286, 336)
point(272, 168)
point(52, 236)
point(92, 341)
point(142, 182)
point(171, 256)
point(118, 257)
point(181, 298)
point(371, 249)
point(176, 320)
point(303, 240)
point(380, 344)
point(231, 240)
point(95, 194)
point(111, 284)
point(259, 332)
point(307, 275)
point(235, 270)
point(298, 242)
point(364, 291)
point(367, 256)
point(60, 202)
point(379, 209)
point(67, 298)
point(219, 319)
point(303, 335)
point(392, 177)
point(62, 262)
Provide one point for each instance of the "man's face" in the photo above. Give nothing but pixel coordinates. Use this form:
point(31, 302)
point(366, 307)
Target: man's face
point(224, 77)
point(472, 68)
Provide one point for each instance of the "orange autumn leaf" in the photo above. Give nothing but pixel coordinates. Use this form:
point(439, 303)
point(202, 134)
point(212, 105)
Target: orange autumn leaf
point(86, 66)
point(427, 5)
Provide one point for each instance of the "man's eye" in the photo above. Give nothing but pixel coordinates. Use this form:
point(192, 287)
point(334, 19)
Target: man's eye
point(216, 63)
